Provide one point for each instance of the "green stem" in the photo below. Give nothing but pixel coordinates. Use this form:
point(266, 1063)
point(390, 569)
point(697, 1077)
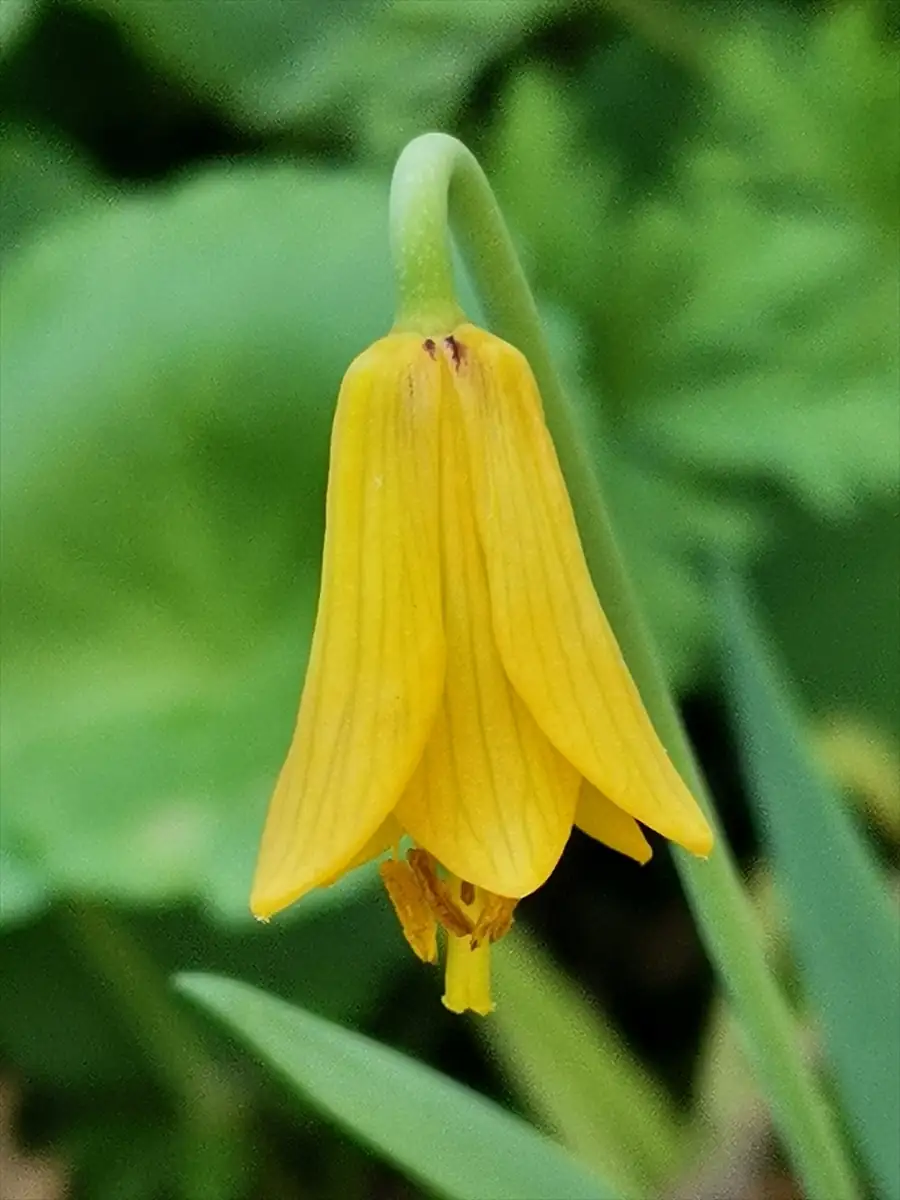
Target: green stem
point(420, 235)
point(212, 1146)
point(438, 163)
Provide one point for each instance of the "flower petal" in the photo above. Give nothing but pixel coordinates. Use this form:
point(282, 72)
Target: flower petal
point(604, 821)
point(377, 660)
point(553, 636)
point(492, 800)
point(389, 834)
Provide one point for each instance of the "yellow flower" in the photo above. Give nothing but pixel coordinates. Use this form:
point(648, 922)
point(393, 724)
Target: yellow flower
point(464, 687)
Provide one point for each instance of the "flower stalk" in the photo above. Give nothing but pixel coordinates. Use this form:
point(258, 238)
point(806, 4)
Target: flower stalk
point(438, 184)
point(212, 1145)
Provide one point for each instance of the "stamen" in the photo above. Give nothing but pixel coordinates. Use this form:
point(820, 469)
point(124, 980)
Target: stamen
point(423, 896)
point(438, 893)
point(495, 920)
point(412, 906)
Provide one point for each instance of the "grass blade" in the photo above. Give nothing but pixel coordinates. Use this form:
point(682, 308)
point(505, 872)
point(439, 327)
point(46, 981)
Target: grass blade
point(454, 1141)
point(576, 1074)
point(845, 935)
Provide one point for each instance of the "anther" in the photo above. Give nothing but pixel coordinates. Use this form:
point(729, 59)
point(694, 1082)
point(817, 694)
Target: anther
point(438, 894)
point(412, 907)
point(495, 920)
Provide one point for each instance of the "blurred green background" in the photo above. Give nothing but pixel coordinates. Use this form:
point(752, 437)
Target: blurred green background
point(194, 246)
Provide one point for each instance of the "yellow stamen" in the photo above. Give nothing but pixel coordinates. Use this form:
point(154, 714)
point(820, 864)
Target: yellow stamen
point(495, 920)
point(411, 904)
point(424, 896)
point(438, 892)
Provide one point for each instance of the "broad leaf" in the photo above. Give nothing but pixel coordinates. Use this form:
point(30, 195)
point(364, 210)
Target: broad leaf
point(169, 368)
point(42, 180)
point(377, 73)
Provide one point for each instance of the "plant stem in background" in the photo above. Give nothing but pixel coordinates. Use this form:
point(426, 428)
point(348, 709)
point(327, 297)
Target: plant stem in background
point(438, 183)
point(212, 1140)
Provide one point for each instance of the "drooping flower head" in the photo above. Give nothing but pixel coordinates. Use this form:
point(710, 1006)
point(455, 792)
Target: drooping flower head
point(464, 689)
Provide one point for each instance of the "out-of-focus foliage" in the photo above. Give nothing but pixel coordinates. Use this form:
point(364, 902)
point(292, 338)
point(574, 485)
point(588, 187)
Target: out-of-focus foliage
point(170, 358)
point(161, 481)
point(743, 313)
point(577, 1076)
point(193, 242)
point(14, 17)
point(847, 937)
point(42, 179)
point(371, 75)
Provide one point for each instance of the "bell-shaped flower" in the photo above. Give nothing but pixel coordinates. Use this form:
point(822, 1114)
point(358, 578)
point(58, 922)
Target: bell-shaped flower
point(464, 689)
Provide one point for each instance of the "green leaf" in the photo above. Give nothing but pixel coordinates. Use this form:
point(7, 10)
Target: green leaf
point(258, 59)
point(730, 338)
point(858, 676)
point(376, 73)
point(42, 180)
point(755, 345)
point(817, 103)
point(845, 934)
point(67, 1034)
point(577, 1075)
point(22, 886)
point(169, 367)
point(440, 1133)
point(15, 16)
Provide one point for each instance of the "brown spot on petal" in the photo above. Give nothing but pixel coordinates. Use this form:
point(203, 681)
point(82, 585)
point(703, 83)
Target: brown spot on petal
point(457, 350)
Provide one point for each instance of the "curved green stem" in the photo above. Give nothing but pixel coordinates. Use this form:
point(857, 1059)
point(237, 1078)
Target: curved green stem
point(437, 176)
point(420, 235)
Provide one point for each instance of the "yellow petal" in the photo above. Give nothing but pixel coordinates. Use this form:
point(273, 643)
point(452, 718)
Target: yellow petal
point(377, 659)
point(492, 799)
point(554, 639)
point(388, 834)
point(604, 821)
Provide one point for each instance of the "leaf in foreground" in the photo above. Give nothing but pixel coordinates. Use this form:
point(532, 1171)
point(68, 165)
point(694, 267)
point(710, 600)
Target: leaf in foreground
point(432, 1128)
point(577, 1075)
point(845, 935)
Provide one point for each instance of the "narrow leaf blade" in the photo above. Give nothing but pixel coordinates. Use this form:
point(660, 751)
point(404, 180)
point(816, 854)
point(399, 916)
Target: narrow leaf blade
point(846, 938)
point(577, 1075)
point(438, 1132)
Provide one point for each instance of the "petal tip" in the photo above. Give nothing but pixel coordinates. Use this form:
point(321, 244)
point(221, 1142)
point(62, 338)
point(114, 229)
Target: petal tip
point(264, 904)
point(700, 841)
